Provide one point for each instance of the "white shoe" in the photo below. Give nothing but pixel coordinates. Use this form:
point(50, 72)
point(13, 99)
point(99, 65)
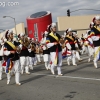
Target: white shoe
point(89, 60)
point(68, 63)
point(28, 73)
point(95, 65)
point(52, 72)
point(0, 79)
point(60, 74)
point(80, 60)
point(74, 64)
point(18, 84)
point(8, 82)
point(35, 64)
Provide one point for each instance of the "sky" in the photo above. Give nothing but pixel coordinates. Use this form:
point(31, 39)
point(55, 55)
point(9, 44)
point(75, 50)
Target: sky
point(25, 8)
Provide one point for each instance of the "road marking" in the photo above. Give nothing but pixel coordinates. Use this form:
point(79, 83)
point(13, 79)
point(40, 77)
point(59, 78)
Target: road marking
point(81, 78)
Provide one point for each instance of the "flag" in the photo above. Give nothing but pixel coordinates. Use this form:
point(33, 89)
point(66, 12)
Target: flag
point(56, 57)
point(9, 65)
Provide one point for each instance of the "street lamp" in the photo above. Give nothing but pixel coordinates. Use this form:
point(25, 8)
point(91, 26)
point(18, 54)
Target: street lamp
point(14, 22)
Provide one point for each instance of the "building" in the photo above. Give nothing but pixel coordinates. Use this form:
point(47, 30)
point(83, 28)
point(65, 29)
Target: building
point(37, 24)
point(77, 23)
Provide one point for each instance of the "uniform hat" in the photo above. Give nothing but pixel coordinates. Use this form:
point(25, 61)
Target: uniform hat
point(21, 34)
point(96, 18)
point(10, 31)
point(68, 30)
point(53, 25)
point(74, 33)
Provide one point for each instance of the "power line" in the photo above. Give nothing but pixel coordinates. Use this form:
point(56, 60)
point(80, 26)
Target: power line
point(84, 9)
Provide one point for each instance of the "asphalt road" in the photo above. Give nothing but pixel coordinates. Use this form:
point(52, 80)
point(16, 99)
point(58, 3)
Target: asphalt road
point(80, 82)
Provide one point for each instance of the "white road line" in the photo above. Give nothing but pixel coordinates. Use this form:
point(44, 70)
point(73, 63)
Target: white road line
point(81, 78)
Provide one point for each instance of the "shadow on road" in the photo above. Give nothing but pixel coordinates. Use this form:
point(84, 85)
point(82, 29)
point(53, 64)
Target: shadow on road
point(76, 69)
point(31, 79)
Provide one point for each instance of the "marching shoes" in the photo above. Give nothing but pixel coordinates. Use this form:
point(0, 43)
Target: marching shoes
point(89, 60)
point(18, 84)
point(68, 63)
point(80, 60)
point(53, 72)
point(28, 73)
point(8, 82)
point(0, 79)
point(95, 65)
point(74, 64)
point(60, 74)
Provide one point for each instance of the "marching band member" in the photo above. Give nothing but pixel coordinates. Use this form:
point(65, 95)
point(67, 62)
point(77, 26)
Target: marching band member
point(35, 59)
point(68, 46)
point(12, 53)
point(90, 46)
point(38, 48)
point(31, 55)
point(71, 39)
point(84, 43)
point(46, 52)
point(77, 45)
point(52, 42)
point(24, 54)
point(95, 36)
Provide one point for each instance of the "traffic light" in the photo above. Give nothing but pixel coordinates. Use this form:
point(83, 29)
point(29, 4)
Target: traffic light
point(68, 13)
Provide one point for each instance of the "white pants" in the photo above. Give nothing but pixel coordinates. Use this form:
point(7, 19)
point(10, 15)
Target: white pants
point(24, 61)
point(96, 55)
point(77, 55)
point(1, 69)
point(91, 52)
point(38, 57)
point(31, 62)
point(84, 49)
point(52, 55)
point(35, 60)
point(16, 68)
point(72, 58)
point(46, 58)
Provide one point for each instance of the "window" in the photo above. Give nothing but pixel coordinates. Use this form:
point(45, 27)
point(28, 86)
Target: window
point(35, 30)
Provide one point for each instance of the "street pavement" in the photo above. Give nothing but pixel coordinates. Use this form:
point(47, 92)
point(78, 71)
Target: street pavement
point(80, 82)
